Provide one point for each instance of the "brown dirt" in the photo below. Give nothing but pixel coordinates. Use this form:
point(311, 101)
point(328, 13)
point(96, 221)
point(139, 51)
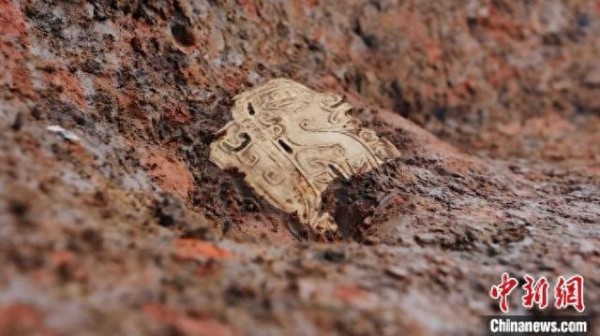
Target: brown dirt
point(495, 106)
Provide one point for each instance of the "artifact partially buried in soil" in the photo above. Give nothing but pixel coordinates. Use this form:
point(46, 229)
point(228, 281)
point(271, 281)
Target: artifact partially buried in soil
point(291, 142)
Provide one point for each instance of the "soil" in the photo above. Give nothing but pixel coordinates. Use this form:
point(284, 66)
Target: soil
point(120, 224)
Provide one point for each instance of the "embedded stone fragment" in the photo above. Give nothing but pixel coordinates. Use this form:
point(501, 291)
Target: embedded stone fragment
point(291, 142)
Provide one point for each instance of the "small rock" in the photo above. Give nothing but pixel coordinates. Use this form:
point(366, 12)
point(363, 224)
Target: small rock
point(425, 238)
point(586, 247)
point(67, 135)
point(18, 123)
point(334, 256)
point(194, 248)
point(396, 272)
point(592, 78)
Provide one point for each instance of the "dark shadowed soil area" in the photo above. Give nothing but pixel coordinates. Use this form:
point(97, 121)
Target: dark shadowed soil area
point(114, 221)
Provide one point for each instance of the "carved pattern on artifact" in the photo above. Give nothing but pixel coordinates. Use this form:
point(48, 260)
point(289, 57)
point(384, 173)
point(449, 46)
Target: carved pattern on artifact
point(291, 142)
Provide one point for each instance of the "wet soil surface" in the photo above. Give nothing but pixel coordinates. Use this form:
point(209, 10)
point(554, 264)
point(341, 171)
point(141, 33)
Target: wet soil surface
point(118, 223)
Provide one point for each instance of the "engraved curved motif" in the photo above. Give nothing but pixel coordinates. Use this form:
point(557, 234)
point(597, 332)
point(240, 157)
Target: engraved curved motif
point(355, 140)
point(277, 131)
point(319, 160)
point(268, 118)
point(238, 141)
point(249, 157)
point(273, 177)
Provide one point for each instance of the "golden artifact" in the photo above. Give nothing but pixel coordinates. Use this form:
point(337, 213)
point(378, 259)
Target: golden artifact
point(291, 142)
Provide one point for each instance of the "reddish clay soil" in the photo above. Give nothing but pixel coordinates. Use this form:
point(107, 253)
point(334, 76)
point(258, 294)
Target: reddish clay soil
point(130, 229)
